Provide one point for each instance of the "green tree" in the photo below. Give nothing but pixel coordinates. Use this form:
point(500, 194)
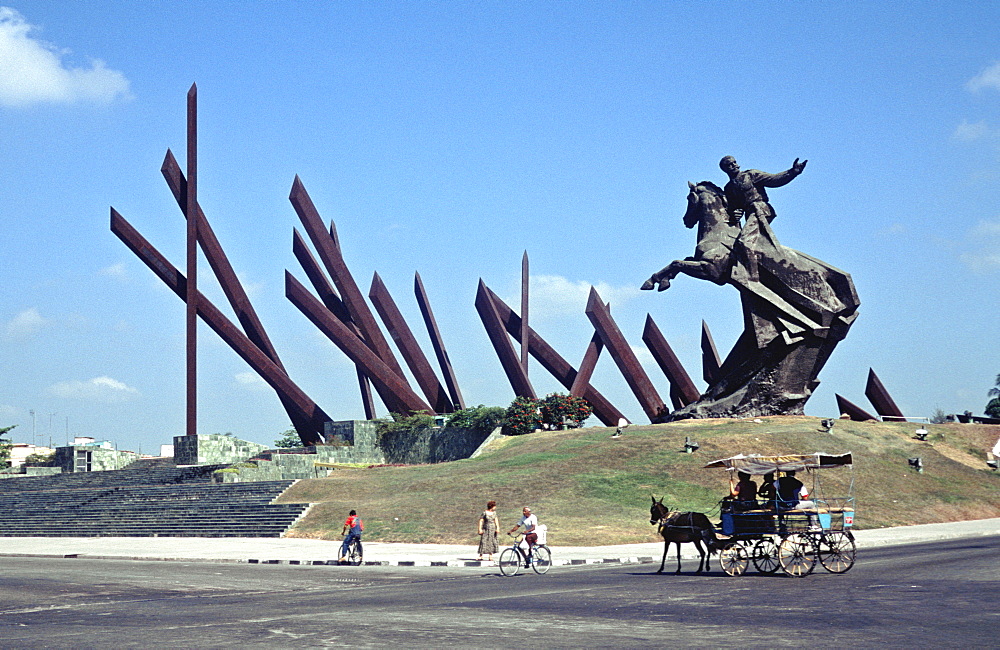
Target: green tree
point(5, 446)
point(993, 406)
point(288, 439)
point(477, 418)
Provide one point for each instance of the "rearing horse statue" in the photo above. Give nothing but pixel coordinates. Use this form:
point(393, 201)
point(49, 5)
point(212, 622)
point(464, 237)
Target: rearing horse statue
point(796, 309)
point(713, 255)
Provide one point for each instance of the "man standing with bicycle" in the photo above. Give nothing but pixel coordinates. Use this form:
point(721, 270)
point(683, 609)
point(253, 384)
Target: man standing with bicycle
point(353, 527)
point(530, 522)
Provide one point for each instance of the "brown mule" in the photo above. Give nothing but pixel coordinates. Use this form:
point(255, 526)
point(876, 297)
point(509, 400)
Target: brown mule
point(682, 528)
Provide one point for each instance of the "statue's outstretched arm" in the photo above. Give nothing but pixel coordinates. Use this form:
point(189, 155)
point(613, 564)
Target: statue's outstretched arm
point(781, 178)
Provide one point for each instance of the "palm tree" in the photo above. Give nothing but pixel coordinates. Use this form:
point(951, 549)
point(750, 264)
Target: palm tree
point(993, 406)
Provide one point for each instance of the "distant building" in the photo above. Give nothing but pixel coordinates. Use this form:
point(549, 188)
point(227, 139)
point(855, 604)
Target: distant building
point(21, 450)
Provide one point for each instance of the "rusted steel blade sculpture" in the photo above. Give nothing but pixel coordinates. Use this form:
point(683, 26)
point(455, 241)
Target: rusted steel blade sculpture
point(587, 365)
point(552, 361)
point(408, 347)
point(232, 287)
point(710, 361)
point(881, 400)
point(437, 343)
point(852, 410)
point(682, 389)
point(222, 326)
point(625, 359)
point(352, 346)
point(501, 343)
point(524, 312)
point(191, 286)
point(328, 248)
point(332, 301)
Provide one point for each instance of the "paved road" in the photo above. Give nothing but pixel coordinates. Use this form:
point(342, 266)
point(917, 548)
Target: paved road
point(942, 594)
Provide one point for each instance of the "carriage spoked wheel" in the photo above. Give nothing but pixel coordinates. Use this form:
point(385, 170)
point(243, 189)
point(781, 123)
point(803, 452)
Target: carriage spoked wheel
point(765, 555)
point(734, 559)
point(797, 555)
point(510, 562)
point(836, 551)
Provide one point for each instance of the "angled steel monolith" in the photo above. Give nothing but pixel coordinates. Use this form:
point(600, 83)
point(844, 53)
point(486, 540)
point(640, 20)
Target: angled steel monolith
point(501, 343)
point(852, 410)
point(552, 361)
point(625, 359)
point(880, 398)
point(682, 389)
point(444, 362)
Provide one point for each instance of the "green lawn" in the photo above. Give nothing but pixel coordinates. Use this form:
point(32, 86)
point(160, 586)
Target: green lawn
point(590, 489)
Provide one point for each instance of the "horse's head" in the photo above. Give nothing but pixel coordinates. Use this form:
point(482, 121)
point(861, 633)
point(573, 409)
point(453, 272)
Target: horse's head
point(702, 197)
point(657, 511)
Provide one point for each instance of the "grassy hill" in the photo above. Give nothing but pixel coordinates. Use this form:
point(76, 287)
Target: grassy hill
point(590, 489)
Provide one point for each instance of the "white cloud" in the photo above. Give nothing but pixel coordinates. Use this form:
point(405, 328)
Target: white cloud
point(967, 132)
point(116, 271)
point(98, 389)
point(988, 78)
point(251, 380)
point(25, 324)
point(33, 71)
point(984, 238)
point(553, 296)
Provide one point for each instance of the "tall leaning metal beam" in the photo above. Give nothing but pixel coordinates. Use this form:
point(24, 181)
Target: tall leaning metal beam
point(408, 347)
point(625, 358)
point(501, 343)
point(191, 286)
point(552, 361)
point(215, 319)
point(710, 361)
point(852, 410)
point(437, 343)
point(880, 398)
point(351, 345)
point(328, 248)
point(332, 301)
point(680, 382)
point(230, 283)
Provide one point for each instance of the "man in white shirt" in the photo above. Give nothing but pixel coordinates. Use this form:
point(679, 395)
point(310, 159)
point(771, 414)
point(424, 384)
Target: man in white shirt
point(530, 522)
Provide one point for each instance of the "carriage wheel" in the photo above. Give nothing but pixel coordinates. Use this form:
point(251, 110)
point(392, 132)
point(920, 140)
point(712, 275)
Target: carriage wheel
point(797, 555)
point(510, 562)
point(734, 559)
point(765, 555)
point(837, 551)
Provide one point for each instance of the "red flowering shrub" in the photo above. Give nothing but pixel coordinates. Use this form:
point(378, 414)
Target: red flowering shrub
point(521, 417)
point(558, 409)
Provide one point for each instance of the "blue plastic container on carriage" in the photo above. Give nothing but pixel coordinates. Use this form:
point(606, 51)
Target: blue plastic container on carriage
point(728, 526)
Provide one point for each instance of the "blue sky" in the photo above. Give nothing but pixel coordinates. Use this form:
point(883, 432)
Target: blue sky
point(448, 138)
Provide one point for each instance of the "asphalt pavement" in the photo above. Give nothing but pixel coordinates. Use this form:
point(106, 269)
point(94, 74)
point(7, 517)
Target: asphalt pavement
point(290, 550)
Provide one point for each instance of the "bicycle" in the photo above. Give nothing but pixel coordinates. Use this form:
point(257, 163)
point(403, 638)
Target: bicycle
point(511, 559)
point(353, 557)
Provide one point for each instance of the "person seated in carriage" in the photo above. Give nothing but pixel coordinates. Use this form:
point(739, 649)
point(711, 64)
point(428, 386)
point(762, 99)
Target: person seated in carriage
point(744, 494)
point(767, 493)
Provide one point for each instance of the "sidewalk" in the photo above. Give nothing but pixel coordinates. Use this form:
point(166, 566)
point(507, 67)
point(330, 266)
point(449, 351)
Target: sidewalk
point(269, 550)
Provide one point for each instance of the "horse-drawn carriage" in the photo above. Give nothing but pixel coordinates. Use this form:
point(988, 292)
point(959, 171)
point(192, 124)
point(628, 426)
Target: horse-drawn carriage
point(779, 530)
point(787, 532)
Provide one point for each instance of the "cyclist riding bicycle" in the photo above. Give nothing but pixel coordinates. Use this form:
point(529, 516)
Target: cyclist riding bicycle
point(530, 523)
point(353, 527)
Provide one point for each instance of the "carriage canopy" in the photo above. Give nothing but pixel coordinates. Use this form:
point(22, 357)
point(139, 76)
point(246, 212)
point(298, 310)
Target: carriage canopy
point(758, 465)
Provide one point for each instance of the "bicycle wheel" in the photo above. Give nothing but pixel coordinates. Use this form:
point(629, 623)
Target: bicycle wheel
point(734, 559)
point(510, 562)
point(765, 555)
point(541, 560)
point(354, 554)
point(837, 551)
point(797, 555)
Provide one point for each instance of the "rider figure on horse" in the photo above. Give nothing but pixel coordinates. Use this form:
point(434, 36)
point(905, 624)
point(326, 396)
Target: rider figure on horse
point(745, 193)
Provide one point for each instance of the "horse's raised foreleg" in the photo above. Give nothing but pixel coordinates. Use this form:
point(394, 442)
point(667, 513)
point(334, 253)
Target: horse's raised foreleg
point(661, 279)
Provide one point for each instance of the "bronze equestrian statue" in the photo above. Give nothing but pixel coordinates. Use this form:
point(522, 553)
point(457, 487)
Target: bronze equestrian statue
point(796, 308)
